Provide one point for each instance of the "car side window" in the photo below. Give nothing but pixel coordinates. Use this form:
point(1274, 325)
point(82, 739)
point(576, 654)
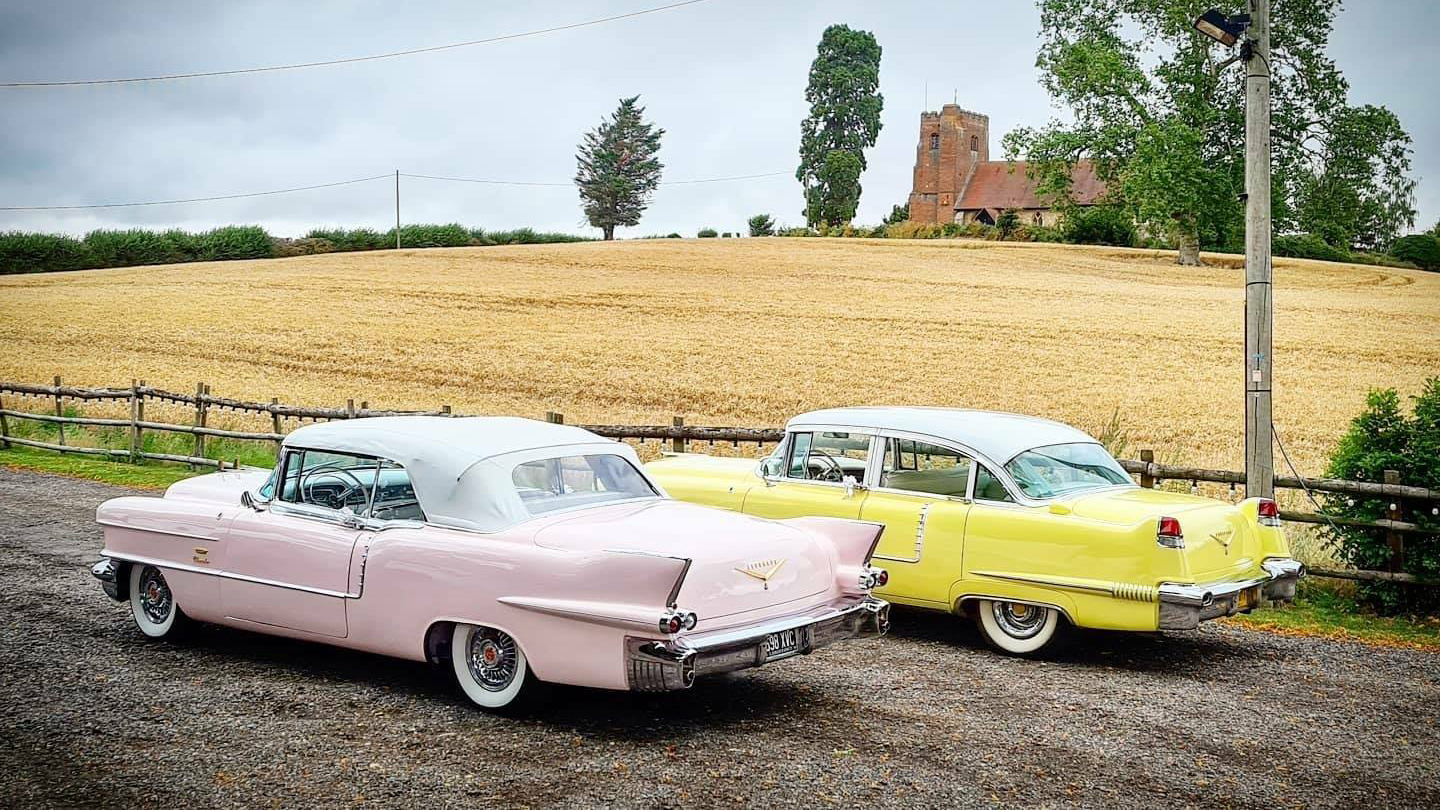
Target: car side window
point(989, 488)
point(925, 468)
point(394, 495)
point(829, 456)
point(337, 481)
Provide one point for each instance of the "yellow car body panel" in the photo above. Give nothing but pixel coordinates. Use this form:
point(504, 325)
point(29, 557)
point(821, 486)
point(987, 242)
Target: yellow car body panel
point(1093, 556)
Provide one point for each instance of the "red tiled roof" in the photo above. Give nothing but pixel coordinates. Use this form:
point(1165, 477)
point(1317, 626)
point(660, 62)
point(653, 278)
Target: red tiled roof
point(995, 185)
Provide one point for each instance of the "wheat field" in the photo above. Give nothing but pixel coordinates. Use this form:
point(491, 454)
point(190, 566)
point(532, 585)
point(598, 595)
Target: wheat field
point(748, 332)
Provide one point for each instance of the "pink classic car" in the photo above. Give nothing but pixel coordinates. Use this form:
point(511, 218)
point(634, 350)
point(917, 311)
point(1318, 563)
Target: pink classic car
point(519, 551)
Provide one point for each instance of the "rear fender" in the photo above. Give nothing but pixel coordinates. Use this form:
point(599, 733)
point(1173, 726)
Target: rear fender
point(851, 543)
point(632, 590)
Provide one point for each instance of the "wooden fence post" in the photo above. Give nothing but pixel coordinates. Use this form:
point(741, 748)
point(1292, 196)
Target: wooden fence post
point(445, 410)
point(350, 409)
point(1146, 479)
point(554, 418)
point(275, 424)
point(1396, 540)
point(136, 414)
point(677, 444)
point(59, 412)
point(200, 390)
point(4, 427)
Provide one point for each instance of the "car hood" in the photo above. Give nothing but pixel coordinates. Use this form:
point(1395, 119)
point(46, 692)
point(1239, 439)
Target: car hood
point(742, 567)
point(220, 487)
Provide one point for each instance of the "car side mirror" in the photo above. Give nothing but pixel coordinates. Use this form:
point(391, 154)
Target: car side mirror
point(769, 470)
point(248, 500)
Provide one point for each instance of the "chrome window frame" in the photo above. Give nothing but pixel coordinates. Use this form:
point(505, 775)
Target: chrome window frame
point(784, 449)
point(879, 469)
point(333, 516)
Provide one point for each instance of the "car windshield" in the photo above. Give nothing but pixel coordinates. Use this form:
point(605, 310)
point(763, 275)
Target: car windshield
point(550, 484)
point(1063, 469)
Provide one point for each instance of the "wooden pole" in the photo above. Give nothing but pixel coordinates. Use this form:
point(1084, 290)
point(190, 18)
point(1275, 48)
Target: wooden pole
point(275, 425)
point(677, 444)
point(397, 209)
point(1146, 479)
point(59, 411)
point(4, 427)
point(1259, 301)
point(1395, 540)
point(200, 390)
point(554, 418)
point(135, 418)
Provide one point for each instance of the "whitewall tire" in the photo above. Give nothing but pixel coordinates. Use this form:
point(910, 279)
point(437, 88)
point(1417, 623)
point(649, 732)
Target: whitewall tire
point(490, 667)
point(152, 604)
point(1017, 628)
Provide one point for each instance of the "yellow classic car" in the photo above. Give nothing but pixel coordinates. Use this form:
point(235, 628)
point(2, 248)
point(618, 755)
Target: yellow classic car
point(1027, 525)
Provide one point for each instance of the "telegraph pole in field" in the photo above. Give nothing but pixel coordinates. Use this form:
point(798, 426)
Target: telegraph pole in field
point(1259, 277)
point(397, 209)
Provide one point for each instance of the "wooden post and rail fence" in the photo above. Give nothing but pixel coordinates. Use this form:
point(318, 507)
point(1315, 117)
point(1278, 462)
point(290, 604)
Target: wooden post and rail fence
point(1401, 499)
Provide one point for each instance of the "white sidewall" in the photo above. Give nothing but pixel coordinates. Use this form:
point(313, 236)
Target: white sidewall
point(1007, 642)
point(479, 695)
point(148, 627)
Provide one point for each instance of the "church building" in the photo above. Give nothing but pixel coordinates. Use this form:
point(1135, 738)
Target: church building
point(956, 181)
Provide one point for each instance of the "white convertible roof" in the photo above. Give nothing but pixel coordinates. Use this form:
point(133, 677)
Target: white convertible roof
point(460, 466)
point(1000, 436)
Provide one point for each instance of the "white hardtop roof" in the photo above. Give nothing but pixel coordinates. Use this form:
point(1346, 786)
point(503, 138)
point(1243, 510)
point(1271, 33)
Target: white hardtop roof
point(1000, 436)
point(460, 466)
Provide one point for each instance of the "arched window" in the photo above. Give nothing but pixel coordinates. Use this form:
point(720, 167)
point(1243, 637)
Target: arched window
point(1039, 220)
point(974, 143)
point(935, 140)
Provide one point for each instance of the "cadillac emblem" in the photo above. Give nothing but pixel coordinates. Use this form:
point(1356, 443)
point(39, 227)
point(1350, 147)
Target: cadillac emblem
point(1223, 538)
point(762, 570)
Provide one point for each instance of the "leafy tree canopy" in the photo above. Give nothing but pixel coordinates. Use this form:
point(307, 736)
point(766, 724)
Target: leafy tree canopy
point(619, 167)
point(845, 105)
point(762, 225)
point(1160, 109)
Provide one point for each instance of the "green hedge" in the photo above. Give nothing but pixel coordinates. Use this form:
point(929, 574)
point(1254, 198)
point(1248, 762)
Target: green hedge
point(22, 252)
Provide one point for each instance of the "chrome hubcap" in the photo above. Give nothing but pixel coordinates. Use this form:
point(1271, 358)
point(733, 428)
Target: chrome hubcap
point(493, 659)
point(1018, 620)
point(155, 599)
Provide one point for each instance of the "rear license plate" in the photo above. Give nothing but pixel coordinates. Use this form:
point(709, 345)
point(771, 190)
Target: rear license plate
point(784, 643)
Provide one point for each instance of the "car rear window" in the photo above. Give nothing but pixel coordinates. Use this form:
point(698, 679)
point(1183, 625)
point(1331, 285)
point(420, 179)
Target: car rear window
point(565, 482)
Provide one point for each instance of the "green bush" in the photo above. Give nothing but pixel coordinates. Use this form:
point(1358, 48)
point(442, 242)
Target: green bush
point(707, 233)
point(1385, 438)
point(1307, 246)
point(762, 225)
point(234, 242)
point(132, 247)
point(1099, 225)
point(41, 253)
point(1421, 250)
point(352, 239)
point(428, 236)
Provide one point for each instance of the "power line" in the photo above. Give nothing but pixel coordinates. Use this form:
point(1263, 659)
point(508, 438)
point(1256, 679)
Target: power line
point(192, 199)
point(571, 183)
point(353, 59)
point(358, 180)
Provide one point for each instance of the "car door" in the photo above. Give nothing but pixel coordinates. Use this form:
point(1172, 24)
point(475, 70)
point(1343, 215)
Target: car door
point(288, 565)
point(921, 495)
point(1013, 544)
point(822, 475)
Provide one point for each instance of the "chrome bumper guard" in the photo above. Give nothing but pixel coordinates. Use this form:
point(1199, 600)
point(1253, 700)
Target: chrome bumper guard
point(1183, 607)
point(107, 571)
point(659, 666)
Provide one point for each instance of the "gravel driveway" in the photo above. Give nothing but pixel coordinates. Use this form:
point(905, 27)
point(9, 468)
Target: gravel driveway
point(90, 714)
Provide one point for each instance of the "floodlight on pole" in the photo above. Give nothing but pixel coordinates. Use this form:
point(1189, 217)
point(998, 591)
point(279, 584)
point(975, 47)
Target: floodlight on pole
point(1224, 30)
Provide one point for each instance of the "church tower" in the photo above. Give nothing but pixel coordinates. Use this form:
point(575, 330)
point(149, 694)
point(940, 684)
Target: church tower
point(952, 142)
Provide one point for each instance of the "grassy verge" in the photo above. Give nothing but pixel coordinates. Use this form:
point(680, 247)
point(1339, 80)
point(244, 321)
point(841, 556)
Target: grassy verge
point(1324, 611)
point(141, 476)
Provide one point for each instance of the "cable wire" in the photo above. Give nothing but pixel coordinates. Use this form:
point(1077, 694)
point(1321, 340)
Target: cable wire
point(571, 183)
point(193, 199)
point(354, 59)
point(1319, 510)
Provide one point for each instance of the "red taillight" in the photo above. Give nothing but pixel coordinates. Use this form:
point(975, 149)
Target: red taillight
point(1268, 512)
point(882, 578)
point(1168, 534)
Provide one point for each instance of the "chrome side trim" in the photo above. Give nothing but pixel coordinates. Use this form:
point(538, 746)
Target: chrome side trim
point(919, 540)
point(1108, 590)
point(190, 569)
point(112, 524)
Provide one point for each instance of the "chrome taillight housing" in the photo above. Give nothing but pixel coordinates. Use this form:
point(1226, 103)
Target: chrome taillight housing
point(676, 620)
point(1267, 512)
point(873, 578)
point(1168, 533)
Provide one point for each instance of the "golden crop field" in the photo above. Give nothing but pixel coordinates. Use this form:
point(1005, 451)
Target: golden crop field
point(747, 332)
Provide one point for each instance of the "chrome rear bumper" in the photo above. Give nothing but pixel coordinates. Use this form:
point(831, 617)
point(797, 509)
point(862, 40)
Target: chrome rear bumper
point(107, 571)
point(657, 666)
point(1183, 607)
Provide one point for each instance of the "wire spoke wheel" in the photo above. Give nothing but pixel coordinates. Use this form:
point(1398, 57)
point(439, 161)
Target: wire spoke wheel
point(153, 605)
point(491, 668)
point(492, 658)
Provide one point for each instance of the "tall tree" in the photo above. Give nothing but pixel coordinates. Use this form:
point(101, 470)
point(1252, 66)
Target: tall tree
point(619, 167)
point(1359, 194)
point(845, 106)
point(1160, 109)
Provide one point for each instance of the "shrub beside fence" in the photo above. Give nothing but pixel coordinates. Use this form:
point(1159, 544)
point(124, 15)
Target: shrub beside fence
point(677, 437)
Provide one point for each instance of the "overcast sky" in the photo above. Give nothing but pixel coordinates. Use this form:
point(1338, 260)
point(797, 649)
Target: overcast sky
point(725, 78)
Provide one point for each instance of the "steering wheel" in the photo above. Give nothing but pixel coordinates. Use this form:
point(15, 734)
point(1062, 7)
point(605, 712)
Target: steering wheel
point(333, 501)
point(834, 473)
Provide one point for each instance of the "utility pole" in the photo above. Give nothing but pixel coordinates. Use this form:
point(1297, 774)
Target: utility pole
point(397, 209)
point(1259, 302)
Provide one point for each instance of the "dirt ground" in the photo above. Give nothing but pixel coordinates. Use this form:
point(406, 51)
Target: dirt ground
point(92, 714)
